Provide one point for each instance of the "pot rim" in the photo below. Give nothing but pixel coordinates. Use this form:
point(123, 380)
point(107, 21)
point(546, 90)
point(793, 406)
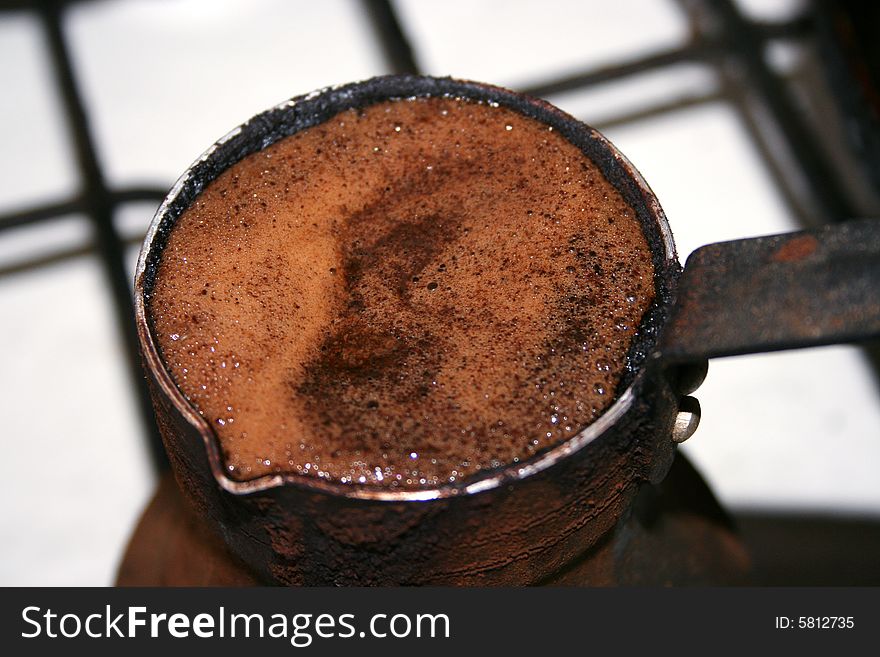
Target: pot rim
point(408, 86)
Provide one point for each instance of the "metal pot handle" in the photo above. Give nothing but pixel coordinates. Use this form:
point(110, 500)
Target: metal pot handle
point(786, 291)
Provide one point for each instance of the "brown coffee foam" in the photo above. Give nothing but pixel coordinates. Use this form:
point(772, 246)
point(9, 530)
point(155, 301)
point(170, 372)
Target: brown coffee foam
point(402, 296)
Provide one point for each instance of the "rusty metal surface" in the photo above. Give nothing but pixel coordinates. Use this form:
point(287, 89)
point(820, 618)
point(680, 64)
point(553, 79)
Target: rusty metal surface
point(778, 292)
point(677, 535)
point(173, 546)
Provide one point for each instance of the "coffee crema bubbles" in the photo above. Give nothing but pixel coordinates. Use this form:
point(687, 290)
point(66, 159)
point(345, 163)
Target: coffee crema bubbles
point(405, 295)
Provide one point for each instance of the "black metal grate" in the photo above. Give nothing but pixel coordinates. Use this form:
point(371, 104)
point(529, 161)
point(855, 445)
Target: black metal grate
point(721, 36)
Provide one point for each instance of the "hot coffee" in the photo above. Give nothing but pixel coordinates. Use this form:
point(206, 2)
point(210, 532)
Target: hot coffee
point(404, 295)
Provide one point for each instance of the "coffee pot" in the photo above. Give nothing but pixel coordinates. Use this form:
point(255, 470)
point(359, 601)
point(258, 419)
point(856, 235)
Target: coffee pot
point(614, 504)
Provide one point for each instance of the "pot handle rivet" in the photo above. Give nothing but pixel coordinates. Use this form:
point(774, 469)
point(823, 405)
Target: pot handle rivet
point(687, 420)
